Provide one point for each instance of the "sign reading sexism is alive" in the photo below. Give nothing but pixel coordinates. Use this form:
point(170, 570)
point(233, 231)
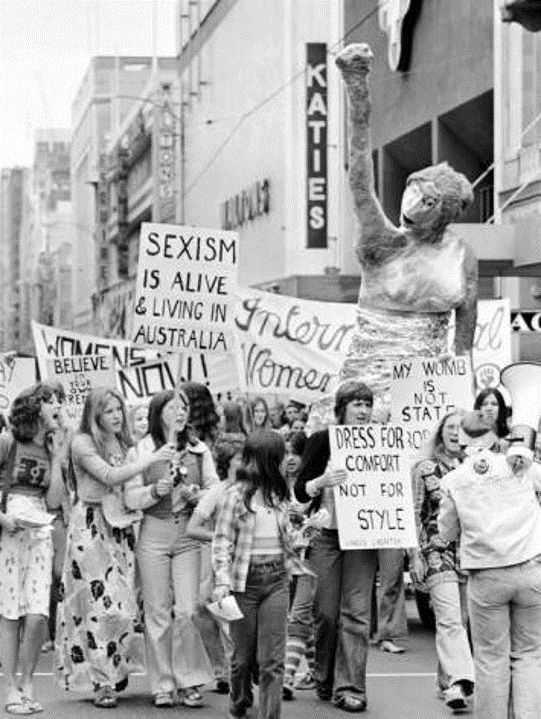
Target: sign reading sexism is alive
point(78, 375)
point(185, 289)
point(374, 507)
point(424, 390)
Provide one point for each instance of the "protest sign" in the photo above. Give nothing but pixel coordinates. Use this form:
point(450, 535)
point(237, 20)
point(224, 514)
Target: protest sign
point(374, 507)
point(16, 374)
point(424, 390)
point(291, 346)
point(184, 297)
point(492, 342)
point(140, 373)
point(78, 375)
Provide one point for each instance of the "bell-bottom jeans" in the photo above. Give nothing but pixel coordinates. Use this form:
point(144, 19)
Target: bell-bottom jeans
point(262, 633)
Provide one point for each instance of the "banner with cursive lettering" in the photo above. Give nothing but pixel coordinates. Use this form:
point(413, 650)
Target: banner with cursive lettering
point(492, 342)
point(290, 346)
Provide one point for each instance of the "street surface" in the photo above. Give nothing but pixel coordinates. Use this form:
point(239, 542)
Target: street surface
point(401, 686)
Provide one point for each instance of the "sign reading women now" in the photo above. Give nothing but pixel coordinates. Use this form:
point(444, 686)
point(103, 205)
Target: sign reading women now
point(185, 289)
point(374, 507)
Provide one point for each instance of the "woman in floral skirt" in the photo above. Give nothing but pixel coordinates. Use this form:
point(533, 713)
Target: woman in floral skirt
point(96, 646)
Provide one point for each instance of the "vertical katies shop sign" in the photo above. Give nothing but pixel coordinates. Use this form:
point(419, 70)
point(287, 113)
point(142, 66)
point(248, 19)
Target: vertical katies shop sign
point(316, 144)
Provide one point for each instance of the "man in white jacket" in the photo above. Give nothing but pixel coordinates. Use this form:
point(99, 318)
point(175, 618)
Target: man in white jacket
point(490, 505)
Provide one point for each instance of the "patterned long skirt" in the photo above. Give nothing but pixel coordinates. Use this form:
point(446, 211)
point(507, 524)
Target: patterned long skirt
point(96, 644)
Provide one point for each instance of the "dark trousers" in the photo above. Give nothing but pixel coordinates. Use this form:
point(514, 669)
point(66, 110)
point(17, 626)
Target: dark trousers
point(264, 604)
point(342, 609)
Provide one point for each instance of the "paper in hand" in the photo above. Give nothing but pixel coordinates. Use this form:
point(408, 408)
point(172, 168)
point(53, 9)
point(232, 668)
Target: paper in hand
point(226, 609)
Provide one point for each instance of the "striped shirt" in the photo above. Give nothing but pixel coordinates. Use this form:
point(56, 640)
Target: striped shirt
point(234, 538)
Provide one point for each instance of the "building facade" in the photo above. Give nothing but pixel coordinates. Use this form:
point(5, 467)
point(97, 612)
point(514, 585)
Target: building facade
point(517, 81)
point(108, 90)
point(263, 129)
point(14, 193)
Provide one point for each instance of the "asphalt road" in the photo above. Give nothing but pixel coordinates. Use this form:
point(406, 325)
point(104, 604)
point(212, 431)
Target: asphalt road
point(400, 686)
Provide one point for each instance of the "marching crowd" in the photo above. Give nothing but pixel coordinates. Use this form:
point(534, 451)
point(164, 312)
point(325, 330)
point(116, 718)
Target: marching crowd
point(167, 517)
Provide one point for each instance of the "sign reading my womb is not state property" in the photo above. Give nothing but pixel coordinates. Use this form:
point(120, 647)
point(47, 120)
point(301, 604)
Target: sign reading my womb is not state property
point(185, 289)
point(424, 390)
point(374, 507)
point(78, 375)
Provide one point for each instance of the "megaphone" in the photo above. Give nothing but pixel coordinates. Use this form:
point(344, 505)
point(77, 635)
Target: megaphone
point(522, 380)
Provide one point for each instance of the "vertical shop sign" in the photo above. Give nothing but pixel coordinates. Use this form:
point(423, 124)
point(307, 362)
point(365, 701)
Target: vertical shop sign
point(101, 224)
point(316, 144)
point(165, 136)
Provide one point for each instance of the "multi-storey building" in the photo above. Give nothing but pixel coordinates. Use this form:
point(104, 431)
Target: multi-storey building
point(138, 183)
point(15, 185)
point(109, 88)
point(517, 82)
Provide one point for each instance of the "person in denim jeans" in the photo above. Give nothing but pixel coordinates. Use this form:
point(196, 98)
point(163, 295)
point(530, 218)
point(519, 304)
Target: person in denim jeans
point(343, 597)
point(435, 564)
point(490, 504)
point(252, 557)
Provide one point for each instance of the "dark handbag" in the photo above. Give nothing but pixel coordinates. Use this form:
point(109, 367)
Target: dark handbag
point(8, 477)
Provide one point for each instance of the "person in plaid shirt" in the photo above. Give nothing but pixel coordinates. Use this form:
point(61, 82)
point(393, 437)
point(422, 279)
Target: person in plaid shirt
point(252, 557)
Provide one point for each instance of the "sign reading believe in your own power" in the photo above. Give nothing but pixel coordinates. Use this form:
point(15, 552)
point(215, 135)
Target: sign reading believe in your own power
point(184, 298)
point(424, 390)
point(374, 507)
point(78, 375)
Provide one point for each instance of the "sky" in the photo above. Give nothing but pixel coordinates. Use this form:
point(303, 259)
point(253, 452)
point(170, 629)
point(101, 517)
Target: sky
point(45, 48)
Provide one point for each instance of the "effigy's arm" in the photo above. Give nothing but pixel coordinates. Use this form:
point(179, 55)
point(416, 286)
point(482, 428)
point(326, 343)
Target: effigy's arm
point(379, 238)
point(466, 313)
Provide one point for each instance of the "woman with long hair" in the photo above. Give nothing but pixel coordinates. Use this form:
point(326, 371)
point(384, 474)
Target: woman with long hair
point(252, 554)
point(30, 460)
point(258, 414)
point(300, 629)
point(204, 419)
point(343, 596)
point(435, 564)
point(96, 646)
point(493, 413)
point(170, 561)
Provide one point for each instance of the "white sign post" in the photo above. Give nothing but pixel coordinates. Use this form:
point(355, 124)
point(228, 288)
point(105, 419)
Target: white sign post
point(185, 289)
point(374, 507)
point(78, 375)
point(185, 292)
point(424, 390)
point(16, 374)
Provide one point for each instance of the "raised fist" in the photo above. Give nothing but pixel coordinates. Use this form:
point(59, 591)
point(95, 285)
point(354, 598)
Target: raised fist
point(355, 58)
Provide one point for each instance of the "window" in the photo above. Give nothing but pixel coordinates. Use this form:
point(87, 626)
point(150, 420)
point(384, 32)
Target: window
point(531, 86)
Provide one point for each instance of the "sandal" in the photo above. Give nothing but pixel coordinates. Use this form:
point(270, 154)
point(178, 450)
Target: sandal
point(105, 698)
point(350, 703)
point(192, 698)
point(164, 699)
point(35, 706)
point(387, 645)
point(16, 703)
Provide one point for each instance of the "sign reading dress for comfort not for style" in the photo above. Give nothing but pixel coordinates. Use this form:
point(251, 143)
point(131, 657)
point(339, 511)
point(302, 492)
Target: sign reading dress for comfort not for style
point(374, 507)
point(185, 290)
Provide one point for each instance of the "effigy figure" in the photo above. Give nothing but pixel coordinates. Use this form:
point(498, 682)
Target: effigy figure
point(412, 276)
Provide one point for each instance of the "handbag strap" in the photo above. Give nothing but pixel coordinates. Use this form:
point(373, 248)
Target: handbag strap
point(8, 474)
